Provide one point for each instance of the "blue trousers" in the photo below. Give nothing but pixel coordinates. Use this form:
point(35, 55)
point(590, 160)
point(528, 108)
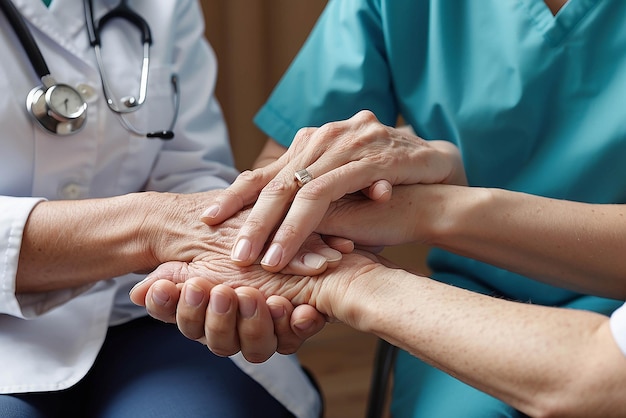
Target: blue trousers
point(148, 369)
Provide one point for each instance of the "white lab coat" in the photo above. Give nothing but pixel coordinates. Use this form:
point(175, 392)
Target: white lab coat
point(48, 342)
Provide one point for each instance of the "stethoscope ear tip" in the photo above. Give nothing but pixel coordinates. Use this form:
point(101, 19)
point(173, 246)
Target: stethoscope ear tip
point(165, 135)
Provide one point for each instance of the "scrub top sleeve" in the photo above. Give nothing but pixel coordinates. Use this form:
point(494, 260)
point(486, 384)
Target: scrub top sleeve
point(341, 69)
point(618, 327)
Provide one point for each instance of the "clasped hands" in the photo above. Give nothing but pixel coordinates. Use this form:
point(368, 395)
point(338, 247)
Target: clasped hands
point(236, 297)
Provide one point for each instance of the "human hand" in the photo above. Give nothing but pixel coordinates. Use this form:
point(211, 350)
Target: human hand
point(171, 230)
point(229, 320)
point(416, 213)
point(204, 280)
point(343, 157)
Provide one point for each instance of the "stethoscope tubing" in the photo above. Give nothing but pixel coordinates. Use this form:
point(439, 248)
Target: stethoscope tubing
point(121, 11)
point(26, 38)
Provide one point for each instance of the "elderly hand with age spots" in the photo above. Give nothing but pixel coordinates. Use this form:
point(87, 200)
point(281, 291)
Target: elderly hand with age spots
point(249, 309)
point(343, 157)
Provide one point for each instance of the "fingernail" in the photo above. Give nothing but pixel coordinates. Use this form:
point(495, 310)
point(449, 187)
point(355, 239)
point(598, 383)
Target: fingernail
point(139, 284)
point(193, 295)
point(332, 255)
point(380, 190)
point(272, 256)
point(247, 306)
point(304, 324)
point(277, 311)
point(314, 261)
point(210, 212)
point(241, 252)
point(160, 297)
point(219, 303)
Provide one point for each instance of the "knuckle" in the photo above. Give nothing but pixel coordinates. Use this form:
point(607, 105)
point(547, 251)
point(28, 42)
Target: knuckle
point(278, 185)
point(304, 132)
point(193, 333)
point(365, 116)
point(328, 132)
point(235, 196)
point(189, 327)
point(250, 176)
point(287, 232)
point(253, 224)
point(385, 159)
point(255, 357)
point(222, 351)
point(168, 318)
point(288, 347)
point(313, 190)
point(302, 137)
point(221, 343)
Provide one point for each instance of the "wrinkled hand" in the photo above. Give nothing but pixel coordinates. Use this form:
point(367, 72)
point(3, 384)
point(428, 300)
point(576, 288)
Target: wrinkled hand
point(223, 305)
point(343, 157)
point(414, 214)
point(228, 320)
point(172, 230)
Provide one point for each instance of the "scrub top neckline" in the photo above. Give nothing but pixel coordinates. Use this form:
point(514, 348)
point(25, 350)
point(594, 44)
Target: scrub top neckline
point(555, 28)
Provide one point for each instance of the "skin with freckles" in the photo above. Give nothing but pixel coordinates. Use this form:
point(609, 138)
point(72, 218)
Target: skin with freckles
point(242, 319)
point(139, 231)
point(123, 234)
point(586, 381)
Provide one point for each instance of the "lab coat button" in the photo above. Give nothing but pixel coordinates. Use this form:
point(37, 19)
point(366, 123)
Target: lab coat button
point(71, 191)
point(88, 92)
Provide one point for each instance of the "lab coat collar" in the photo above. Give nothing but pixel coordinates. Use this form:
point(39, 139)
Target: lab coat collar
point(69, 20)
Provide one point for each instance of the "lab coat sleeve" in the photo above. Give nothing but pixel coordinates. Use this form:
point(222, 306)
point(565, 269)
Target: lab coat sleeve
point(618, 327)
point(199, 157)
point(14, 212)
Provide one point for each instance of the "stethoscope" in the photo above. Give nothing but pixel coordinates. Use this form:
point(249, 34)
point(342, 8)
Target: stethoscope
point(59, 108)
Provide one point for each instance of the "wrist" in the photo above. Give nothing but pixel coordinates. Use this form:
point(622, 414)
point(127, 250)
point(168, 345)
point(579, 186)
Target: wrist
point(71, 243)
point(376, 304)
point(142, 217)
point(359, 304)
point(454, 210)
point(171, 228)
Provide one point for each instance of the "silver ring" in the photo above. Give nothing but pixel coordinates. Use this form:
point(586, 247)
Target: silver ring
point(303, 177)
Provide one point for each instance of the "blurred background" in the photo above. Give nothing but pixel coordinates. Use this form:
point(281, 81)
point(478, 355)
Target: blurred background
point(254, 42)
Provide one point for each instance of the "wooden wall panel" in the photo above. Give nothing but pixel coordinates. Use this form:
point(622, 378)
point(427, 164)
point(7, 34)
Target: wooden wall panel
point(255, 40)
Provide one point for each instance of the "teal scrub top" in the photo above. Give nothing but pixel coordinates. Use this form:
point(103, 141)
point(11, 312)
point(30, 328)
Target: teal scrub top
point(536, 103)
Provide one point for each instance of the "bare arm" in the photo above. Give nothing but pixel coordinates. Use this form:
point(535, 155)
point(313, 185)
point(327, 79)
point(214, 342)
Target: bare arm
point(570, 244)
point(544, 361)
point(72, 243)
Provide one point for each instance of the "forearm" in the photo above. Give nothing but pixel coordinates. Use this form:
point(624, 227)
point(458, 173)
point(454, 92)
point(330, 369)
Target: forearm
point(575, 245)
point(72, 243)
point(540, 360)
point(68, 244)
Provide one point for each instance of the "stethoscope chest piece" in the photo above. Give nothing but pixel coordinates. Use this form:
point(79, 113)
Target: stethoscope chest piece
point(59, 108)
